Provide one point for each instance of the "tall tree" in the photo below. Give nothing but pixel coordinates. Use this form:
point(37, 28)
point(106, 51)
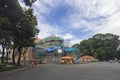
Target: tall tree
point(101, 46)
point(26, 31)
point(12, 13)
point(14, 23)
point(27, 27)
point(105, 40)
point(86, 47)
point(4, 34)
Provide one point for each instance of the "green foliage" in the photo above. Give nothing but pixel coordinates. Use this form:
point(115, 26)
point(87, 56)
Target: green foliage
point(5, 32)
point(101, 46)
point(26, 30)
point(17, 26)
point(118, 53)
point(105, 40)
point(85, 47)
point(29, 2)
point(11, 9)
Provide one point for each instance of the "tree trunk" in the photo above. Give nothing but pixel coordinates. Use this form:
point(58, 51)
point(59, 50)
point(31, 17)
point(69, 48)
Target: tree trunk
point(7, 56)
point(24, 56)
point(19, 57)
point(3, 53)
point(13, 56)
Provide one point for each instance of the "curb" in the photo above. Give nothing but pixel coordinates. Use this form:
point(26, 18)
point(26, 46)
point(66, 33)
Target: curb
point(13, 71)
point(16, 70)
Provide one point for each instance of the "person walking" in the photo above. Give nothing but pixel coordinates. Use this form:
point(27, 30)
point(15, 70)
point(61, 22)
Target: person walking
point(32, 63)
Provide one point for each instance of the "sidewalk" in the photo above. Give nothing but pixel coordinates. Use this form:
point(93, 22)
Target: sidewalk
point(15, 70)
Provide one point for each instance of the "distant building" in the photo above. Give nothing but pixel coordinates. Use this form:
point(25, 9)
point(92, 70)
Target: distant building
point(50, 42)
point(27, 54)
point(49, 49)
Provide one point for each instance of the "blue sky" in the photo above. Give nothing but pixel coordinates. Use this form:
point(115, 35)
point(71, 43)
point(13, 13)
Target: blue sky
point(77, 20)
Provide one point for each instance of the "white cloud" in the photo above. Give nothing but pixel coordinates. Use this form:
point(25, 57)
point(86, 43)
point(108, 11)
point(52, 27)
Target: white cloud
point(95, 9)
point(83, 10)
point(47, 30)
point(68, 36)
point(71, 39)
point(112, 25)
point(40, 7)
point(108, 7)
point(89, 9)
point(21, 3)
point(111, 10)
point(86, 15)
point(75, 41)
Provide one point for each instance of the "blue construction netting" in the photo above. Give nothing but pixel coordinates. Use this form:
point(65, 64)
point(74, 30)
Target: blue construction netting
point(50, 49)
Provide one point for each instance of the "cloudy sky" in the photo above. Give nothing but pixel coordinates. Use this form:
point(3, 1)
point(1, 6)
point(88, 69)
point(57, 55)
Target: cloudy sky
point(77, 19)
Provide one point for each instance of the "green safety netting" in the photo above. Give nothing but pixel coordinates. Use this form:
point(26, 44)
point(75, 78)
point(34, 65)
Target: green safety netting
point(51, 39)
point(37, 46)
point(31, 47)
point(70, 50)
point(52, 45)
point(37, 53)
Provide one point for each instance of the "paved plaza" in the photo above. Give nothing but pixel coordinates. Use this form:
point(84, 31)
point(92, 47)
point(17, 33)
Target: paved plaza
point(91, 71)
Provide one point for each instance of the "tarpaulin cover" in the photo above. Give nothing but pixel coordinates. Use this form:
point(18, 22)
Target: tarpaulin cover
point(51, 48)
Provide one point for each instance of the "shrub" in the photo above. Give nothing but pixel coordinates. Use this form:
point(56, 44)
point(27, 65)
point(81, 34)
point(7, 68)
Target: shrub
point(2, 65)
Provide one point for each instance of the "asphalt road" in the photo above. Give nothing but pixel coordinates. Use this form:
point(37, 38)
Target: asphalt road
point(92, 71)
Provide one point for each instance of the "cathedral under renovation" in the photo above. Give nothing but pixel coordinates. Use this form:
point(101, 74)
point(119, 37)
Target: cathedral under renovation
point(50, 50)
